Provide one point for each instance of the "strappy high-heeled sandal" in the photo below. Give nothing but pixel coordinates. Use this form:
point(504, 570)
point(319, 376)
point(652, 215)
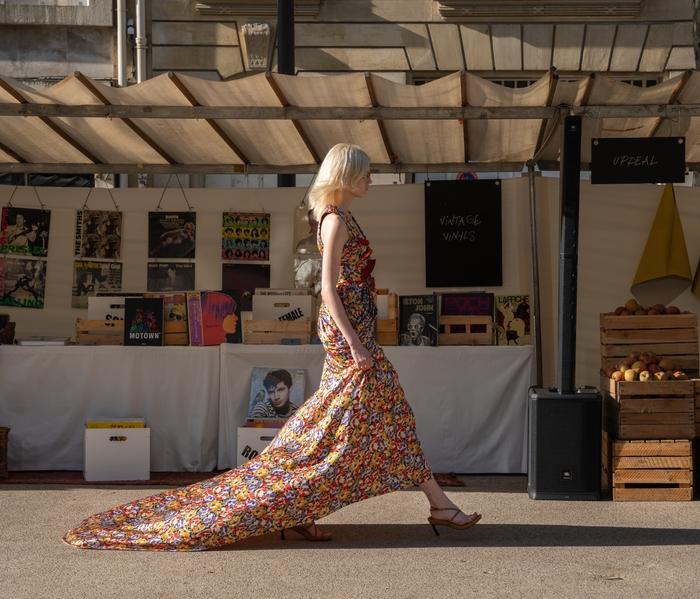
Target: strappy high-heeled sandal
point(306, 532)
point(450, 523)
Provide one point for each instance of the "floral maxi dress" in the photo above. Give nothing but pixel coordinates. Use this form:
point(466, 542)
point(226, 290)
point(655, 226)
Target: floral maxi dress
point(354, 438)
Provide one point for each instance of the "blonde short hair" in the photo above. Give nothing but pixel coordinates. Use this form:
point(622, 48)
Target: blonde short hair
point(343, 166)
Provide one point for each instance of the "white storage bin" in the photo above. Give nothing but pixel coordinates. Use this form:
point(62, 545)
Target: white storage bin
point(117, 454)
point(251, 441)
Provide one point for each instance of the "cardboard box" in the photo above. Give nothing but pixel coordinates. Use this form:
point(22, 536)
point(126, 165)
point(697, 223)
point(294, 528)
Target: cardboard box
point(117, 454)
point(251, 441)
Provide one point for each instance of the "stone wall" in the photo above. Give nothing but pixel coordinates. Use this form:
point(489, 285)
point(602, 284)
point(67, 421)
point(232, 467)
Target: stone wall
point(397, 35)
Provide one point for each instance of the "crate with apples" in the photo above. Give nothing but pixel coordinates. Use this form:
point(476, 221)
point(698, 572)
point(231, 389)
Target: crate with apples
point(656, 331)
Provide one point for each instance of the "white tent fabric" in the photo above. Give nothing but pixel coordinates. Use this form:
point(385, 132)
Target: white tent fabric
point(228, 144)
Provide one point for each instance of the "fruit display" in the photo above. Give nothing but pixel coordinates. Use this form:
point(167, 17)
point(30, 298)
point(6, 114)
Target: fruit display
point(645, 367)
point(633, 308)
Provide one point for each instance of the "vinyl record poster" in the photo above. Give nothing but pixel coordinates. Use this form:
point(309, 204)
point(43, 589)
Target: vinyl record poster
point(245, 236)
point(91, 277)
point(170, 276)
point(24, 231)
point(463, 245)
point(172, 234)
point(98, 234)
point(22, 282)
point(244, 279)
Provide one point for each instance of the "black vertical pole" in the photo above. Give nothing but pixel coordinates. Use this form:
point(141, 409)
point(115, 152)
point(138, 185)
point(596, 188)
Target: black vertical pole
point(285, 58)
point(569, 189)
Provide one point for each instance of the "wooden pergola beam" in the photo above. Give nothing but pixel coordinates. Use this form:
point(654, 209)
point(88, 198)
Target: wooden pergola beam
point(23, 102)
point(295, 121)
point(127, 121)
point(321, 113)
point(553, 81)
point(185, 91)
point(465, 128)
point(672, 100)
point(11, 152)
point(253, 169)
point(382, 129)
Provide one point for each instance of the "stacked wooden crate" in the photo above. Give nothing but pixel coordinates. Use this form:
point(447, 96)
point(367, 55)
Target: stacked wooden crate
point(650, 425)
point(387, 332)
point(99, 332)
point(465, 330)
point(283, 332)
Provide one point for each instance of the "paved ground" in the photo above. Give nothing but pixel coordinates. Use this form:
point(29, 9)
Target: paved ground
point(383, 547)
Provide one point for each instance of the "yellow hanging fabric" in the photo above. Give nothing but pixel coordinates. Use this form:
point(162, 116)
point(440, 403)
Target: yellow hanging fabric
point(664, 269)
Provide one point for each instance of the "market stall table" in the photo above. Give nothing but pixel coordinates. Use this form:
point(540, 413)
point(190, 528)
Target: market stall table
point(47, 394)
point(470, 402)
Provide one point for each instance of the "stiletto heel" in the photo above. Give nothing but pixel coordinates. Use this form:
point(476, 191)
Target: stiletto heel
point(437, 534)
point(282, 534)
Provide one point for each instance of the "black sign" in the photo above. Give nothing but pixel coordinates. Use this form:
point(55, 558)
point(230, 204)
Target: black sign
point(638, 160)
point(463, 234)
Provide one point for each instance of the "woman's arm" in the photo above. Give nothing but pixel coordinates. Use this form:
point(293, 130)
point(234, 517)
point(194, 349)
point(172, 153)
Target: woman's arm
point(334, 235)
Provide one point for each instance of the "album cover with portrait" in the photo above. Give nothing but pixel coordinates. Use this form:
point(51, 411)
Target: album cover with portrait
point(418, 320)
point(24, 231)
point(172, 234)
point(91, 277)
point(221, 317)
point(245, 236)
point(22, 282)
point(276, 393)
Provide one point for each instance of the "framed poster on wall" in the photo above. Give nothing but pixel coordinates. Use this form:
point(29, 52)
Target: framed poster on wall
point(463, 235)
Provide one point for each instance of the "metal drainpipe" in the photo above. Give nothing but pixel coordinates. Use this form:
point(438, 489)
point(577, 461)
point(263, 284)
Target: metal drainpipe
point(141, 42)
point(121, 43)
point(120, 179)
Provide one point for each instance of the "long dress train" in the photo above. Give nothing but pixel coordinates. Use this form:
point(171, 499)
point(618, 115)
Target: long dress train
point(353, 439)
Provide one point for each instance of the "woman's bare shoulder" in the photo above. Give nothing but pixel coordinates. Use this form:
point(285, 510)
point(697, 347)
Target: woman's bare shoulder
point(333, 226)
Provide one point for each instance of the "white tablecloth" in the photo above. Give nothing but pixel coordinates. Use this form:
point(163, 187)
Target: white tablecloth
point(47, 393)
point(470, 402)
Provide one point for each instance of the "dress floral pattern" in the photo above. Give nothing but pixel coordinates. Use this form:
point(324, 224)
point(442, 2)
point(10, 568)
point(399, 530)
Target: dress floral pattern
point(354, 438)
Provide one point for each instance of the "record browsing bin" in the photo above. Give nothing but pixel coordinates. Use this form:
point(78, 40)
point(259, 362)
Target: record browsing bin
point(465, 330)
point(99, 332)
point(277, 332)
point(387, 329)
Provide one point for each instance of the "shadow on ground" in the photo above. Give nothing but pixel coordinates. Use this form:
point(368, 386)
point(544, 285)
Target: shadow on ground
point(383, 536)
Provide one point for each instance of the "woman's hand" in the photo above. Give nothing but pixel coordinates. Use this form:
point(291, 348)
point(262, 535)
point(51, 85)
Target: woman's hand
point(362, 357)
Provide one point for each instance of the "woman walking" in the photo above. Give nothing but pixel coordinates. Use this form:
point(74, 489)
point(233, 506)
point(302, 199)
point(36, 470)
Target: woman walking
point(353, 439)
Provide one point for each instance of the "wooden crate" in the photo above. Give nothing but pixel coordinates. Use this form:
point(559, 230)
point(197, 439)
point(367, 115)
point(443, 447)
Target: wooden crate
point(99, 332)
point(387, 329)
point(652, 470)
point(650, 410)
point(605, 464)
point(175, 332)
point(672, 336)
point(276, 332)
point(696, 383)
point(465, 330)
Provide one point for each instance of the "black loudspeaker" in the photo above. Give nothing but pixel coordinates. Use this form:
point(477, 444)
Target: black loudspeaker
point(564, 451)
point(569, 191)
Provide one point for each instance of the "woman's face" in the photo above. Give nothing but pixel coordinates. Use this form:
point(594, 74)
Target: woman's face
point(362, 185)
